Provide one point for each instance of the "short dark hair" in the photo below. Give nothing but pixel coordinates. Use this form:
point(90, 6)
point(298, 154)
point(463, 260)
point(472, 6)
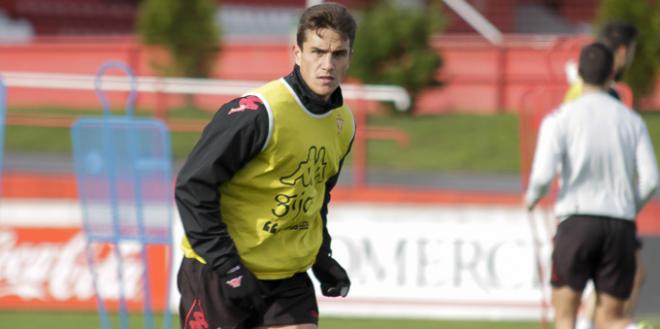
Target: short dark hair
point(617, 34)
point(327, 15)
point(596, 62)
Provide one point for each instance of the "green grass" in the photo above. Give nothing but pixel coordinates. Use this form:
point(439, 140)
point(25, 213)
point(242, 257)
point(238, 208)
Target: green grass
point(450, 143)
point(58, 141)
point(467, 143)
point(34, 139)
point(69, 319)
point(359, 323)
point(84, 320)
point(653, 124)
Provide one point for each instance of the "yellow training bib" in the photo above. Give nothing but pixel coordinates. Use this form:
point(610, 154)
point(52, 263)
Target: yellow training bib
point(272, 206)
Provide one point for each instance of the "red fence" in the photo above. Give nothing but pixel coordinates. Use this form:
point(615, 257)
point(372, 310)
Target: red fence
point(476, 76)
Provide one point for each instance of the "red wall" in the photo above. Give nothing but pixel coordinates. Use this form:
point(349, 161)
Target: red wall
point(476, 76)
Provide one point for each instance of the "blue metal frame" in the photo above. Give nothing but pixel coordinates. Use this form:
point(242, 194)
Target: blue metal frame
point(112, 127)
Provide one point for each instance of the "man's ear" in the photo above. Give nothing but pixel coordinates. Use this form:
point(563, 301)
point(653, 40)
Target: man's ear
point(297, 54)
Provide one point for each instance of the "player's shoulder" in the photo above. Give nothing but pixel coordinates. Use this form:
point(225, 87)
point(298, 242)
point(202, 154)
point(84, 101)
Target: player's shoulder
point(345, 109)
point(248, 105)
point(549, 122)
point(245, 112)
point(634, 115)
point(626, 115)
point(621, 107)
point(559, 117)
point(559, 111)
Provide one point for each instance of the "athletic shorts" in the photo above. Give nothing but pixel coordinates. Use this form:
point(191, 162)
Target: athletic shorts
point(638, 242)
point(598, 248)
point(288, 301)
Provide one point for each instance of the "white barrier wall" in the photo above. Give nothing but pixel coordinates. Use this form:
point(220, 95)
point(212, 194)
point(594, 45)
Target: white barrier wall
point(439, 261)
point(436, 261)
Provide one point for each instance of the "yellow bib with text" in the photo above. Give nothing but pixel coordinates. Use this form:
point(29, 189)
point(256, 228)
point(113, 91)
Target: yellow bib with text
point(272, 206)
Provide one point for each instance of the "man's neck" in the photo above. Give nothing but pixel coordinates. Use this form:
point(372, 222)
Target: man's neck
point(312, 101)
point(589, 88)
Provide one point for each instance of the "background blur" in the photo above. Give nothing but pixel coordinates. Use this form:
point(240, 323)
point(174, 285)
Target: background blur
point(427, 214)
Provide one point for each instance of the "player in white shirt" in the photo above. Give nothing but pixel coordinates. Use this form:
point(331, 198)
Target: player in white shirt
point(620, 37)
point(607, 172)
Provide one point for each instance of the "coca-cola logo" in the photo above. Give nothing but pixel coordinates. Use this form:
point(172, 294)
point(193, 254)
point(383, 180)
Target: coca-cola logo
point(49, 271)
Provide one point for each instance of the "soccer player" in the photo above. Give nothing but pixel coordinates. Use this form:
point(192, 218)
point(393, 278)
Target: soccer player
point(607, 173)
point(253, 194)
point(620, 37)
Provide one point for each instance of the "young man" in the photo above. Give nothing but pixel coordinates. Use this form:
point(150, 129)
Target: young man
point(607, 173)
point(620, 38)
point(253, 194)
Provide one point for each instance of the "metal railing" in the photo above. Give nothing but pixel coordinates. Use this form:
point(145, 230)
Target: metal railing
point(364, 95)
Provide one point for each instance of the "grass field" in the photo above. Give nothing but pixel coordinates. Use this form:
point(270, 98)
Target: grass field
point(448, 143)
point(83, 320)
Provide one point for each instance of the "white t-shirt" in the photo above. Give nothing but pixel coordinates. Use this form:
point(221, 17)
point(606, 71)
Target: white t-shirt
point(603, 153)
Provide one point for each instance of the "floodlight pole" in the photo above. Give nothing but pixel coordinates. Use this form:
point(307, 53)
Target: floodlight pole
point(487, 30)
point(473, 17)
point(309, 3)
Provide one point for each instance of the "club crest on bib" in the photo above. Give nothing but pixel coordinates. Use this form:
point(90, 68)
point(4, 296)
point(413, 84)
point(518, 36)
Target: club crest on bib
point(340, 124)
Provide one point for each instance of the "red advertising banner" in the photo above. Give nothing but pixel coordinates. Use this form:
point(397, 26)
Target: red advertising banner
point(46, 268)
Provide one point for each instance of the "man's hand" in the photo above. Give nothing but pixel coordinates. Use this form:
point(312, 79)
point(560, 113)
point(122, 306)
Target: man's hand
point(241, 289)
point(333, 277)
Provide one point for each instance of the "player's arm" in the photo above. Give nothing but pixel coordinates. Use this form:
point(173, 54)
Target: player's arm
point(232, 138)
point(546, 159)
point(332, 276)
point(647, 169)
point(330, 184)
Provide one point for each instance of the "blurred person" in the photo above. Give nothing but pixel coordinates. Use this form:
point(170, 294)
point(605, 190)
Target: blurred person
point(620, 37)
point(253, 194)
point(607, 172)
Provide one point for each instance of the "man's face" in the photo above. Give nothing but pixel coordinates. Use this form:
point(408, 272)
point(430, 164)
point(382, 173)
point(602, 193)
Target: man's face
point(323, 60)
point(623, 58)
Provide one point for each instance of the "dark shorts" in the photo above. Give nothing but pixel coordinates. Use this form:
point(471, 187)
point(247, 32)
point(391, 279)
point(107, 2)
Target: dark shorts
point(638, 242)
point(598, 248)
point(288, 301)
